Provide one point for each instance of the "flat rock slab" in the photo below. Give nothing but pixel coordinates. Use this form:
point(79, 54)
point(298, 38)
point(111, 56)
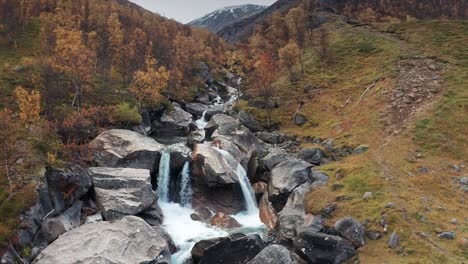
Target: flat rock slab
point(122, 191)
point(126, 149)
point(130, 240)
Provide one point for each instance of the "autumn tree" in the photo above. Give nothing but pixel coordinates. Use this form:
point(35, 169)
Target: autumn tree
point(75, 59)
point(322, 47)
point(289, 56)
point(149, 83)
point(296, 20)
point(116, 40)
point(265, 73)
point(29, 105)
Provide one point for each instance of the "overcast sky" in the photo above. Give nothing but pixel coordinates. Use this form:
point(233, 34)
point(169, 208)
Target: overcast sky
point(187, 10)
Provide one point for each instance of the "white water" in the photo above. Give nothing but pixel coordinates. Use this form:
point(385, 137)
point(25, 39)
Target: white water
point(247, 192)
point(186, 187)
point(201, 123)
point(164, 177)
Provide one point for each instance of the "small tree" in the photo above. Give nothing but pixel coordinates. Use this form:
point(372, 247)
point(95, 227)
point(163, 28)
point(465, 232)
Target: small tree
point(9, 137)
point(289, 55)
point(322, 47)
point(29, 105)
point(265, 71)
point(150, 82)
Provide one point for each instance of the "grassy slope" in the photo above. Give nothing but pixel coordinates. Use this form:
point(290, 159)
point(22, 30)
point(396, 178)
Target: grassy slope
point(436, 135)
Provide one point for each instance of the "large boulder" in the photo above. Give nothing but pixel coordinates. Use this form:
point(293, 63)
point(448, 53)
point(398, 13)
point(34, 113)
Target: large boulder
point(227, 250)
point(215, 182)
point(276, 254)
point(210, 165)
point(122, 191)
point(286, 177)
point(130, 240)
point(126, 149)
point(318, 248)
point(240, 144)
point(174, 122)
point(180, 154)
point(66, 186)
point(270, 138)
point(267, 212)
point(249, 122)
point(224, 124)
point(52, 228)
point(274, 157)
point(351, 230)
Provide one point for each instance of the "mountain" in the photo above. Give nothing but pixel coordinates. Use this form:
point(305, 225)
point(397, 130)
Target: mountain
point(242, 29)
point(220, 18)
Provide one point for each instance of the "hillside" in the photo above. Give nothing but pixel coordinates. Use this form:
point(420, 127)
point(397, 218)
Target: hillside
point(220, 18)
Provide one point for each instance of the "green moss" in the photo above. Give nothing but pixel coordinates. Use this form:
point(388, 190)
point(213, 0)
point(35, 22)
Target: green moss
point(126, 114)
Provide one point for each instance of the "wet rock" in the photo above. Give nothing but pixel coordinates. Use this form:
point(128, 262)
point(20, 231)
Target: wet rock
point(224, 221)
point(242, 145)
point(248, 121)
point(260, 188)
point(174, 122)
point(126, 149)
point(223, 124)
point(196, 137)
point(122, 191)
point(317, 248)
point(274, 254)
point(394, 240)
point(312, 155)
point(196, 109)
point(170, 243)
point(285, 177)
point(130, 240)
point(153, 215)
point(180, 154)
point(202, 214)
point(447, 235)
point(52, 228)
point(65, 187)
point(226, 250)
point(267, 212)
point(351, 230)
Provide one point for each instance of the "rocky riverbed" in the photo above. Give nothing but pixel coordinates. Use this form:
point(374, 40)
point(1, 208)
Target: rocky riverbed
point(197, 184)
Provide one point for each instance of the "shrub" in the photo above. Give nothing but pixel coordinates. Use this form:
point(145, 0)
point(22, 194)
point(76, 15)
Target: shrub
point(126, 114)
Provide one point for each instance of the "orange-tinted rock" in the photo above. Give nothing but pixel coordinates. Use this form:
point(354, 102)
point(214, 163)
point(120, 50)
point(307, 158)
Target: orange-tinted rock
point(224, 221)
point(267, 212)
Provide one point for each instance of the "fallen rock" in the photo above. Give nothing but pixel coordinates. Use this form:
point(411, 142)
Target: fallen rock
point(361, 149)
point(318, 248)
point(274, 157)
point(351, 230)
point(224, 124)
point(227, 250)
point(52, 228)
point(66, 186)
point(270, 138)
point(130, 240)
point(312, 155)
point(224, 221)
point(196, 137)
point(447, 235)
point(121, 192)
point(202, 214)
point(276, 254)
point(373, 235)
point(126, 149)
point(300, 119)
point(180, 154)
point(394, 240)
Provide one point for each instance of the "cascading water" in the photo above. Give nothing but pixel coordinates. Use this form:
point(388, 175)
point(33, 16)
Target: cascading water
point(201, 123)
point(247, 191)
point(186, 187)
point(164, 177)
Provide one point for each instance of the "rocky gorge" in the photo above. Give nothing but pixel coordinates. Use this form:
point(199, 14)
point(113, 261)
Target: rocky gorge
point(200, 183)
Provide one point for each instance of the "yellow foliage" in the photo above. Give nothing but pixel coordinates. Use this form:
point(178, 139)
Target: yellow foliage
point(149, 83)
point(29, 104)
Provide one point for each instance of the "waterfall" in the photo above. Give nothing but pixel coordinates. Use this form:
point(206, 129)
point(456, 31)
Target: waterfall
point(247, 191)
point(201, 123)
point(186, 187)
point(164, 177)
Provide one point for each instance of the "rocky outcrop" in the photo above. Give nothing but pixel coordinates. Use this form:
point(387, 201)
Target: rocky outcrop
point(267, 212)
point(274, 254)
point(129, 240)
point(248, 121)
point(122, 191)
point(312, 155)
point(224, 124)
point(53, 227)
point(318, 248)
point(126, 149)
point(274, 157)
point(227, 250)
point(270, 138)
point(180, 154)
